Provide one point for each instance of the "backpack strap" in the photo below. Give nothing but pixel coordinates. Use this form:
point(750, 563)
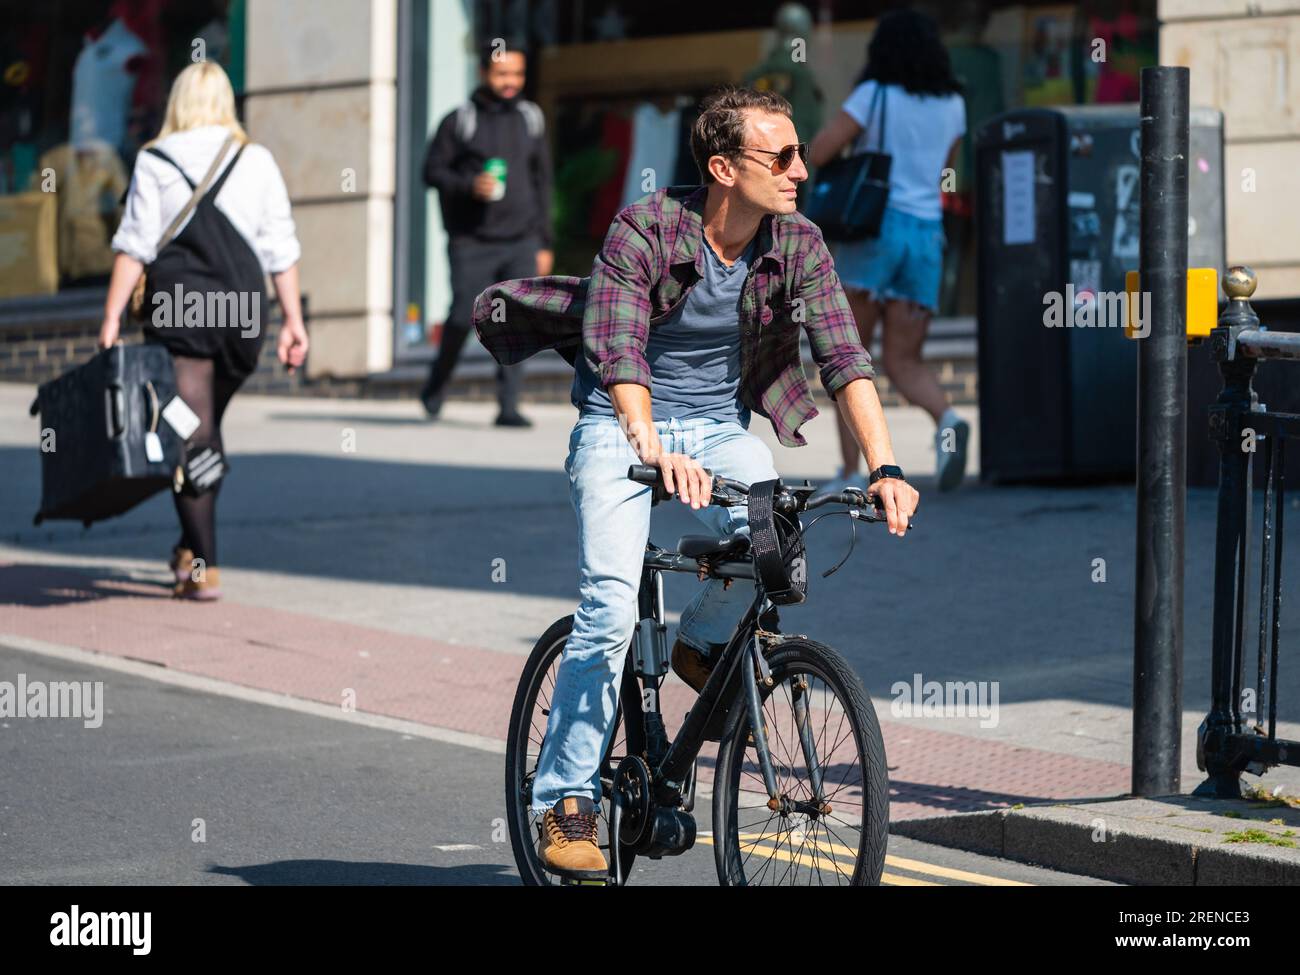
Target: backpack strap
point(199, 190)
point(466, 121)
point(221, 180)
point(155, 151)
point(534, 120)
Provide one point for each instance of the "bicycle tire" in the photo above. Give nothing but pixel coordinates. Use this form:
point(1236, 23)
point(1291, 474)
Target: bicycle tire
point(521, 824)
point(735, 849)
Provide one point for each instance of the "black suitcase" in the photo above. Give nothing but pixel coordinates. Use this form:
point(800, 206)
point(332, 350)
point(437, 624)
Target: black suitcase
point(94, 423)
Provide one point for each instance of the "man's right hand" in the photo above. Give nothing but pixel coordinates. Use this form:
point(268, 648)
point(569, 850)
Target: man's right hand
point(687, 478)
point(485, 186)
point(683, 475)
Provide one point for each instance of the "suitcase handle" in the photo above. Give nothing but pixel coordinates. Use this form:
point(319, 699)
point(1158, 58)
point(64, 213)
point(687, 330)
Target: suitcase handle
point(115, 408)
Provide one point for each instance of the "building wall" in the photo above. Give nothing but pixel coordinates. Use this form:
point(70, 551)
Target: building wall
point(1244, 57)
point(321, 95)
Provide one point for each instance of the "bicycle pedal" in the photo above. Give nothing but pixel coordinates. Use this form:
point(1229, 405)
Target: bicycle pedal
point(570, 882)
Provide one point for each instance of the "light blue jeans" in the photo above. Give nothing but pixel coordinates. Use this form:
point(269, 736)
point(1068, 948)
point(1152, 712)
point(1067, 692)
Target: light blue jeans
point(613, 526)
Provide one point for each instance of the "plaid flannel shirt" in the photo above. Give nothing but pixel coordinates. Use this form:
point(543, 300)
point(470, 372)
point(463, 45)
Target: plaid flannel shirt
point(650, 260)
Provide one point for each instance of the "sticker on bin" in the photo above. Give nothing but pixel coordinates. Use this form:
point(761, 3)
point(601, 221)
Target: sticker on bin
point(180, 418)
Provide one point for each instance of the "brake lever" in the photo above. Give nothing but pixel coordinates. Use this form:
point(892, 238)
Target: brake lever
point(878, 503)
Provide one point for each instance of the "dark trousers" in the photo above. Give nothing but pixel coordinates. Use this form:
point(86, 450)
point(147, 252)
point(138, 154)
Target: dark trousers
point(475, 266)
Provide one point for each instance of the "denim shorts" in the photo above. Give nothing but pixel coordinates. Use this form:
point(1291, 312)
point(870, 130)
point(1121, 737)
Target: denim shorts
point(905, 262)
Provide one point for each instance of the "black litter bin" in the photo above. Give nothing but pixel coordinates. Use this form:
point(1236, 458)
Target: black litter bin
point(1057, 201)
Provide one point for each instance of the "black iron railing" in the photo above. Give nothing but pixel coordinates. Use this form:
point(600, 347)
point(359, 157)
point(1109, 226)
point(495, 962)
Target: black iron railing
point(1240, 732)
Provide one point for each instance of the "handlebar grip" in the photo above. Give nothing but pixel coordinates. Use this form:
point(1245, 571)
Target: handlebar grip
point(653, 476)
point(643, 474)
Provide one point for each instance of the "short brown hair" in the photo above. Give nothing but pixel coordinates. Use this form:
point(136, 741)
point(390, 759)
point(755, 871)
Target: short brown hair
point(720, 129)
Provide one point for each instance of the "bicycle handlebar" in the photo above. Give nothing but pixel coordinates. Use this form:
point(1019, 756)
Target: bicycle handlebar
point(727, 492)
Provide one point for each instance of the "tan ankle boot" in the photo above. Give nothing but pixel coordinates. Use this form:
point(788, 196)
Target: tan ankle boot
point(568, 844)
point(182, 563)
point(206, 591)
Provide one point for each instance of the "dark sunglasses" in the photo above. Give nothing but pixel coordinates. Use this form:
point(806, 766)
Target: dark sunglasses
point(784, 157)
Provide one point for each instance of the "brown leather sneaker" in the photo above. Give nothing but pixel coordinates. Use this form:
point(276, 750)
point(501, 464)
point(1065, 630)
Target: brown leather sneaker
point(690, 665)
point(568, 843)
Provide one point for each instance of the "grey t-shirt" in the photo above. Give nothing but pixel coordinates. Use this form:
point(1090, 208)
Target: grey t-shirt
point(694, 354)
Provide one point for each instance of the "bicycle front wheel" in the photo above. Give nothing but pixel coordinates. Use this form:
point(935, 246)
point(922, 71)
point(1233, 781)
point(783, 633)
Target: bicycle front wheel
point(829, 823)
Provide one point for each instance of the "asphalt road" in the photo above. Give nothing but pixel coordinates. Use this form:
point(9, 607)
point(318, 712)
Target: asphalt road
point(182, 786)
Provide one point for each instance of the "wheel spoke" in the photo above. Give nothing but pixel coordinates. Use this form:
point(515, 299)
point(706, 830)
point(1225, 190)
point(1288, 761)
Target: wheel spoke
point(796, 847)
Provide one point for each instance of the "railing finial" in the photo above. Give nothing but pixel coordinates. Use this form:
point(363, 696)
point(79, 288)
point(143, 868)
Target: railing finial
point(1239, 283)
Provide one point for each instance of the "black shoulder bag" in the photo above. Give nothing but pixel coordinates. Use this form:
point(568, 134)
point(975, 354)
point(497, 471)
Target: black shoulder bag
point(848, 200)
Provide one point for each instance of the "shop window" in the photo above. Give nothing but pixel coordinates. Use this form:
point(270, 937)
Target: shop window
point(83, 86)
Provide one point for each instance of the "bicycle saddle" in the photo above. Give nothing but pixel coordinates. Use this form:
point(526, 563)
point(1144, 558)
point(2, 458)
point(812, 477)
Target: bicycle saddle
point(713, 546)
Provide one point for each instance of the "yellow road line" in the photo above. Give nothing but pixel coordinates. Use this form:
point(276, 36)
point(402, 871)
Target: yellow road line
point(803, 860)
point(920, 866)
point(898, 880)
point(902, 863)
point(834, 847)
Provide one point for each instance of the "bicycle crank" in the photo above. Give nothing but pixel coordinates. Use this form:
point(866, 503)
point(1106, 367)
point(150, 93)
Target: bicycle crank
point(652, 831)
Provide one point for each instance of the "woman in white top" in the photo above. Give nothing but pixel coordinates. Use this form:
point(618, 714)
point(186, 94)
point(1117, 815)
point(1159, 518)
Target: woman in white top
point(205, 292)
point(908, 80)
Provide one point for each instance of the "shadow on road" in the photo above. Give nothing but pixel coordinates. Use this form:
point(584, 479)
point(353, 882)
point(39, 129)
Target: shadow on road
point(343, 872)
point(48, 585)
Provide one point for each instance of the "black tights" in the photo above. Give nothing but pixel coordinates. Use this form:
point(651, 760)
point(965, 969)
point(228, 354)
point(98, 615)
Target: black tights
point(207, 394)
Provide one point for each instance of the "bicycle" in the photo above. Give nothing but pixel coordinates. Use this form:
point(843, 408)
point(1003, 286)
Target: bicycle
point(649, 784)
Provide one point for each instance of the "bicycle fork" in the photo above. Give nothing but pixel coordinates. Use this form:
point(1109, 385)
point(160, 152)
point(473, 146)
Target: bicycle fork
point(754, 669)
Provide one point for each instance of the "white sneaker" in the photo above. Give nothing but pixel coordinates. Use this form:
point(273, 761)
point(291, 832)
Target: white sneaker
point(950, 465)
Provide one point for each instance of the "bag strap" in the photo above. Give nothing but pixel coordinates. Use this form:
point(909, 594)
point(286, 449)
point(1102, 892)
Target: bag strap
point(884, 114)
point(225, 173)
point(155, 151)
point(199, 190)
point(882, 99)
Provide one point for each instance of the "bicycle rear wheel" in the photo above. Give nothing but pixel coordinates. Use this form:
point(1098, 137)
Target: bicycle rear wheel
point(840, 841)
point(528, 719)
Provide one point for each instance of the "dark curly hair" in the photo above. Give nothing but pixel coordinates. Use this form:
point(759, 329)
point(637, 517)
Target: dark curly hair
point(906, 50)
point(720, 129)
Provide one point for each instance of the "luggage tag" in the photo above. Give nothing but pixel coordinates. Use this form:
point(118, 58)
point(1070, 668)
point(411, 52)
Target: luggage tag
point(180, 418)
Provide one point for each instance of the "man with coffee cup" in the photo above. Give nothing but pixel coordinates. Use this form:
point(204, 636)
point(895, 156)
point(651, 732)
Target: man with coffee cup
point(490, 163)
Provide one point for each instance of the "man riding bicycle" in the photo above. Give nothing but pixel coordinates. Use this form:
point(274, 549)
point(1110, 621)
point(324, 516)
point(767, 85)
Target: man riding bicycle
point(688, 323)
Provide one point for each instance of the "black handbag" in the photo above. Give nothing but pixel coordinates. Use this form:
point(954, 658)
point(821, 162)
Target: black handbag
point(98, 421)
point(848, 200)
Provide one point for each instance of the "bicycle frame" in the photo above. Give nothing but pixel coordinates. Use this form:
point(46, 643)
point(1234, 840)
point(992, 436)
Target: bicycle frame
point(741, 662)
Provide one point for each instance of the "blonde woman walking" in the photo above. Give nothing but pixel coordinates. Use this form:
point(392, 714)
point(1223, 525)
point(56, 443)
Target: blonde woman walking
point(206, 220)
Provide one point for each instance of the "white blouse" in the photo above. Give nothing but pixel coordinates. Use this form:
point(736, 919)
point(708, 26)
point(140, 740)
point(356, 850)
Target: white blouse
point(254, 198)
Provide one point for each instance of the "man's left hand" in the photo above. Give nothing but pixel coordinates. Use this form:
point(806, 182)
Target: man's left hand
point(545, 262)
point(900, 500)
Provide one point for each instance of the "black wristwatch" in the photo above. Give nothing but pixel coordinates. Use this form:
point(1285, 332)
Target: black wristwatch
point(886, 470)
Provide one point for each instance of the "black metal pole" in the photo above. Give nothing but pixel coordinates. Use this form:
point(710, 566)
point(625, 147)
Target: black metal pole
point(1162, 435)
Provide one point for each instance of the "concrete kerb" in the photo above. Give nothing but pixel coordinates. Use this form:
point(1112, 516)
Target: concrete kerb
point(1169, 840)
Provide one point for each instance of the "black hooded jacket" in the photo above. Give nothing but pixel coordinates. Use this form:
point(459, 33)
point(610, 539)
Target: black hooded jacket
point(451, 165)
